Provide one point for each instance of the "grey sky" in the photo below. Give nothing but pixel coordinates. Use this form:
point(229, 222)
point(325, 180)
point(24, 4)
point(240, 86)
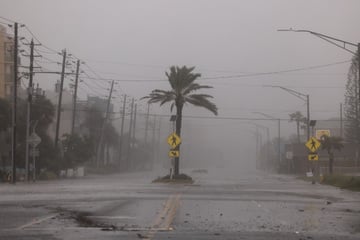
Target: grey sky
point(140, 39)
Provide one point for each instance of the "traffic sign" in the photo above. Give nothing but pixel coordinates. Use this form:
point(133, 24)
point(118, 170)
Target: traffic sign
point(34, 152)
point(174, 153)
point(313, 144)
point(320, 133)
point(173, 140)
point(313, 157)
point(34, 139)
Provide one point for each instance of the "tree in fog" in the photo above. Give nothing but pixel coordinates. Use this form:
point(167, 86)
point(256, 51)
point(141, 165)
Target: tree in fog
point(299, 119)
point(330, 144)
point(5, 114)
point(93, 124)
point(183, 85)
point(351, 107)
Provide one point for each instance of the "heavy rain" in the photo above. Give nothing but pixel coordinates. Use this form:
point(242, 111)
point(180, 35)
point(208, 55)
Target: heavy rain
point(159, 119)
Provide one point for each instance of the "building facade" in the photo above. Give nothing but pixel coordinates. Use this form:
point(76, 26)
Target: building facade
point(6, 63)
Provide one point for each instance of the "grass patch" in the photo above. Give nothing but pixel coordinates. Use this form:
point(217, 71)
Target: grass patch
point(181, 178)
point(47, 175)
point(342, 181)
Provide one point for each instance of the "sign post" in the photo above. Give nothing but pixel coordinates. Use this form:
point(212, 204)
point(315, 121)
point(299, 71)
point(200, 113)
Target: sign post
point(313, 145)
point(173, 140)
point(34, 140)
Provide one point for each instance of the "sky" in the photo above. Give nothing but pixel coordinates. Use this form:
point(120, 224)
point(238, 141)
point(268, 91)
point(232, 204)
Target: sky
point(136, 40)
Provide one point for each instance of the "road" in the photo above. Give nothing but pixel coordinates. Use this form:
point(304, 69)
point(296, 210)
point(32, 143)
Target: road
point(219, 205)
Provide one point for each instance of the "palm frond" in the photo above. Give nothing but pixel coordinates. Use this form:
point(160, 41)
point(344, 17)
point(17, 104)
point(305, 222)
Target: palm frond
point(201, 100)
point(194, 87)
point(161, 96)
point(181, 78)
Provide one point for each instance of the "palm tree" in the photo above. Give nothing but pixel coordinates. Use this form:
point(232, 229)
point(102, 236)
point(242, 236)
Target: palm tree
point(330, 144)
point(182, 83)
point(298, 118)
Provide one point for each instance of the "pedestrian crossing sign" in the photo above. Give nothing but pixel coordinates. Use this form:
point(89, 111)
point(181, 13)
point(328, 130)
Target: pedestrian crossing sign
point(313, 144)
point(173, 140)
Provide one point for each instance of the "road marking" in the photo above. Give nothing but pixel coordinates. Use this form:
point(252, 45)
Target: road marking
point(164, 220)
point(112, 217)
point(36, 221)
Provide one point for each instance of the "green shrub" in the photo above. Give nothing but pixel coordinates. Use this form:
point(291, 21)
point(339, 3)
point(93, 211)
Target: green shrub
point(47, 175)
point(343, 181)
point(181, 178)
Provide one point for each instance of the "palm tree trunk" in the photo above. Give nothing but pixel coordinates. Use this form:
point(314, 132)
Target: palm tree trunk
point(178, 132)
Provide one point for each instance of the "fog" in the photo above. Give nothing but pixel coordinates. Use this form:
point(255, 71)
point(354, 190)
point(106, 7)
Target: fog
point(137, 41)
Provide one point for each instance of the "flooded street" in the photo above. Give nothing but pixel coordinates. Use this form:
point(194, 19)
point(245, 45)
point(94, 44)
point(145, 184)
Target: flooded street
point(248, 206)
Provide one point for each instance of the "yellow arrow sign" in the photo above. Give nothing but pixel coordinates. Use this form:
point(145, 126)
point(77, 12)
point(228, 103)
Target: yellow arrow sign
point(174, 153)
point(313, 157)
point(313, 144)
point(173, 140)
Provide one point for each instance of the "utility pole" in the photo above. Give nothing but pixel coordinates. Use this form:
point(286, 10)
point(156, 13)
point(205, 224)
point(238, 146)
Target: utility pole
point(98, 155)
point(133, 131)
point(28, 112)
point(358, 55)
point(75, 96)
point(341, 120)
point(129, 138)
point(60, 99)
point(158, 139)
point(13, 152)
point(257, 147)
point(357, 108)
point(134, 124)
point(308, 116)
point(122, 129)
point(153, 138)
point(147, 123)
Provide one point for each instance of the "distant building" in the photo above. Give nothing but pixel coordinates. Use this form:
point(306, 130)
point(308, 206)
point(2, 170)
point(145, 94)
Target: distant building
point(66, 110)
point(6, 63)
point(98, 103)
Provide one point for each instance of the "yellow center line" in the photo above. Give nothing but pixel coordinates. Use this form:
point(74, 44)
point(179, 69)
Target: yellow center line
point(166, 216)
point(172, 212)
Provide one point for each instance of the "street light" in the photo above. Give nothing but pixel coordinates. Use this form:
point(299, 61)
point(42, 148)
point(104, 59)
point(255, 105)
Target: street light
point(329, 39)
point(267, 138)
point(279, 134)
point(334, 41)
point(302, 96)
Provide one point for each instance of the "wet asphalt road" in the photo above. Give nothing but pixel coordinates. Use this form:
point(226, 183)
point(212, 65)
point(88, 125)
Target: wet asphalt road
point(127, 206)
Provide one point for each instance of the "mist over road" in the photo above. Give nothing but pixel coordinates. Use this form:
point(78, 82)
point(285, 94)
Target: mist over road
point(221, 204)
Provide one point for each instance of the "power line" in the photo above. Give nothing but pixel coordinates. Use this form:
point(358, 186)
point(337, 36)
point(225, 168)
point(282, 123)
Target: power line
point(6, 19)
point(48, 48)
point(279, 72)
point(229, 76)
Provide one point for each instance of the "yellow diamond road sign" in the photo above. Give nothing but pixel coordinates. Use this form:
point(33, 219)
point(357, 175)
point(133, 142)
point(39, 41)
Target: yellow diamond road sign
point(173, 140)
point(313, 157)
point(174, 153)
point(313, 144)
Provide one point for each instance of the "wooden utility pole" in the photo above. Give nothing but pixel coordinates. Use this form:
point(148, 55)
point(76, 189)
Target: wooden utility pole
point(29, 102)
point(75, 97)
point(129, 138)
point(147, 123)
point(60, 99)
point(153, 138)
point(14, 143)
point(98, 155)
point(122, 129)
point(134, 123)
point(341, 120)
